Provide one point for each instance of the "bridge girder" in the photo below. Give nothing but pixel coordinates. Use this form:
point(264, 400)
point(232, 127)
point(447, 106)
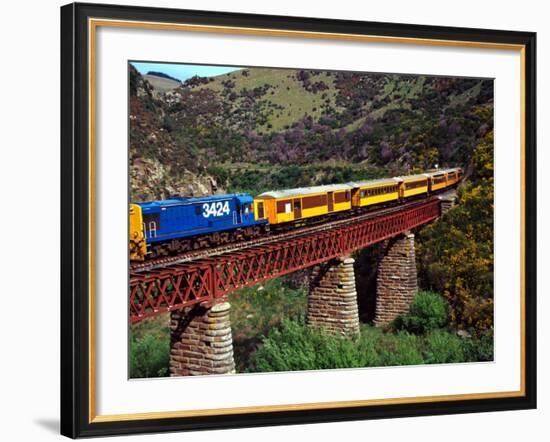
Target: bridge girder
point(210, 280)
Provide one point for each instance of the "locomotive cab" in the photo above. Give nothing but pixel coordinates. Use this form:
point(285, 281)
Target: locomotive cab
point(138, 246)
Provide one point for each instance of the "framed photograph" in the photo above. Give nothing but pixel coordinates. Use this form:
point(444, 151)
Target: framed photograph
point(274, 220)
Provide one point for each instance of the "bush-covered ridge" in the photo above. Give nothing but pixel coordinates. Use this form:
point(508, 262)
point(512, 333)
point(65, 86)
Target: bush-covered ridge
point(259, 118)
point(455, 255)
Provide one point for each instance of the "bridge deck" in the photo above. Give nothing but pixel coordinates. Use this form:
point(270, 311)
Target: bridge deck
point(206, 280)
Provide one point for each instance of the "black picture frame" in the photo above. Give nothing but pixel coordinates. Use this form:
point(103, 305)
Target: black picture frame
point(76, 417)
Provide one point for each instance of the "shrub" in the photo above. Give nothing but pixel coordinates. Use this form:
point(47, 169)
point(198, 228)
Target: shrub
point(479, 347)
point(149, 357)
point(257, 310)
point(294, 346)
point(399, 349)
point(428, 311)
point(455, 255)
point(442, 346)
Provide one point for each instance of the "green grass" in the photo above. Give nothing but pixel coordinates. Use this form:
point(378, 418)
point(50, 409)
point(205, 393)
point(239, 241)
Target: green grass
point(286, 89)
point(257, 310)
point(150, 347)
point(294, 346)
point(269, 334)
point(457, 100)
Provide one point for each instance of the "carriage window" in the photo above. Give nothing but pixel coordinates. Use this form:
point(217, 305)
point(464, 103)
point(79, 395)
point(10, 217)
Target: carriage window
point(260, 210)
point(415, 184)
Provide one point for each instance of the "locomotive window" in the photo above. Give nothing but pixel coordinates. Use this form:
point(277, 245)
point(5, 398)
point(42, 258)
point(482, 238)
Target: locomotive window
point(151, 222)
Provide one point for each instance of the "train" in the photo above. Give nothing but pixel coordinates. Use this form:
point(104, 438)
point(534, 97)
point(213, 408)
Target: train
point(181, 224)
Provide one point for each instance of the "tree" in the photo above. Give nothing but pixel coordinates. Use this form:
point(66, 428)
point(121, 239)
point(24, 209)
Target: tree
point(456, 254)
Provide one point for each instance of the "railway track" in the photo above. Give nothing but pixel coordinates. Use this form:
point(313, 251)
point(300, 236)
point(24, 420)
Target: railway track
point(273, 237)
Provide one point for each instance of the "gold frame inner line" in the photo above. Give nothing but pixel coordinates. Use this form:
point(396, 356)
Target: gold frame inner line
point(93, 24)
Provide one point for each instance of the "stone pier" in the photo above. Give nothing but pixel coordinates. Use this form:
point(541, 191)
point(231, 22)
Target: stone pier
point(201, 341)
point(332, 300)
point(448, 201)
point(396, 282)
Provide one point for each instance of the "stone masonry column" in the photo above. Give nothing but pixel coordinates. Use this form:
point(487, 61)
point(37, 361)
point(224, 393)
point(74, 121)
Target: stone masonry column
point(332, 300)
point(396, 282)
point(448, 201)
point(201, 341)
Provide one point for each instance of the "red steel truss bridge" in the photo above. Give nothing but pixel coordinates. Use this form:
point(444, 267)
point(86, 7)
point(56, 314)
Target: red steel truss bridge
point(208, 279)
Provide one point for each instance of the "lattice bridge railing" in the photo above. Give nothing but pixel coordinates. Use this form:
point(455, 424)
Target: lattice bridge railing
point(206, 280)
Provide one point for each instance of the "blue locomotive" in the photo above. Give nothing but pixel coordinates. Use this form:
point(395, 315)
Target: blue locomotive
point(176, 225)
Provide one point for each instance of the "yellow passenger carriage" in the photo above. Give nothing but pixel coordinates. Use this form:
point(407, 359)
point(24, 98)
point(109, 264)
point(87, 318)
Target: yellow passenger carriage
point(437, 180)
point(366, 193)
point(452, 177)
point(412, 185)
point(301, 203)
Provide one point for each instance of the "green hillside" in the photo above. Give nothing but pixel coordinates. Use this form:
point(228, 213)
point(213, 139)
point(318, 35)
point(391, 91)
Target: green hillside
point(285, 100)
point(257, 129)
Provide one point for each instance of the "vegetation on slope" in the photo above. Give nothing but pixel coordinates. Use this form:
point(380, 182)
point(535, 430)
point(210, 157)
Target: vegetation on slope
point(256, 119)
point(294, 346)
point(456, 254)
